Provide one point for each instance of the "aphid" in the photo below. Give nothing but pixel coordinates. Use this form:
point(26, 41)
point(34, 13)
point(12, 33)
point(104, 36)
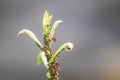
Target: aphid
point(57, 66)
point(54, 38)
point(45, 49)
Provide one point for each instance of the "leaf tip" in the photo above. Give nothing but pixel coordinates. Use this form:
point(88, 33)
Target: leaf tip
point(69, 46)
point(21, 32)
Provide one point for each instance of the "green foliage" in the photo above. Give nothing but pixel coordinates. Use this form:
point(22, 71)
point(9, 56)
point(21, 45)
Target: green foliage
point(55, 25)
point(47, 23)
point(32, 35)
point(46, 56)
point(44, 59)
point(68, 46)
point(48, 75)
point(39, 60)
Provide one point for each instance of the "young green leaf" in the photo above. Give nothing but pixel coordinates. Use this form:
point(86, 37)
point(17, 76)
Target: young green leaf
point(47, 18)
point(55, 25)
point(68, 46)
point(44, 59)
point(46, 23)
point(39, 59)
point(32, 35)
point(48, 75)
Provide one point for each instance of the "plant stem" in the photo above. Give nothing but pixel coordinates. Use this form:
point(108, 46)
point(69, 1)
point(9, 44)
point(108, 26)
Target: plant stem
point(49, 53)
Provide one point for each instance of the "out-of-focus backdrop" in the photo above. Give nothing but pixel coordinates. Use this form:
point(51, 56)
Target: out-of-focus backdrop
point(93, 26)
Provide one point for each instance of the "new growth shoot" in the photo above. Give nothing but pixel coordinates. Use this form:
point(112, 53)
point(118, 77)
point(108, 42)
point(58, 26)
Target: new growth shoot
point(46, 55)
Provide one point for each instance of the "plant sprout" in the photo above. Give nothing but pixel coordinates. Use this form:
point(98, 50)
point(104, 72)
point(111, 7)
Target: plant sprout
point(46, 55)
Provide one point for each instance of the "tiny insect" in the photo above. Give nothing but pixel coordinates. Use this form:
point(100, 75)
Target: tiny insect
point(57, 67)
point(54, 38)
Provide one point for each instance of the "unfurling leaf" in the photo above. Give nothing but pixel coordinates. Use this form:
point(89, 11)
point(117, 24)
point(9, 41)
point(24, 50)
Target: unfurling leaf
point(32, 35)
point(46, 23)
point(68, 46)
point(48, 75)
point(47, 18)
point(39, 59)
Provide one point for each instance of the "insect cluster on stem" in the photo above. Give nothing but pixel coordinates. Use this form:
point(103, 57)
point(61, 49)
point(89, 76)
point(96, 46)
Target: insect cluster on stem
point(46, 55)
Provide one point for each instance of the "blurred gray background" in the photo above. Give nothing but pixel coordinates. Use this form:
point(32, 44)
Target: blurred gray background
point(93, 26)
